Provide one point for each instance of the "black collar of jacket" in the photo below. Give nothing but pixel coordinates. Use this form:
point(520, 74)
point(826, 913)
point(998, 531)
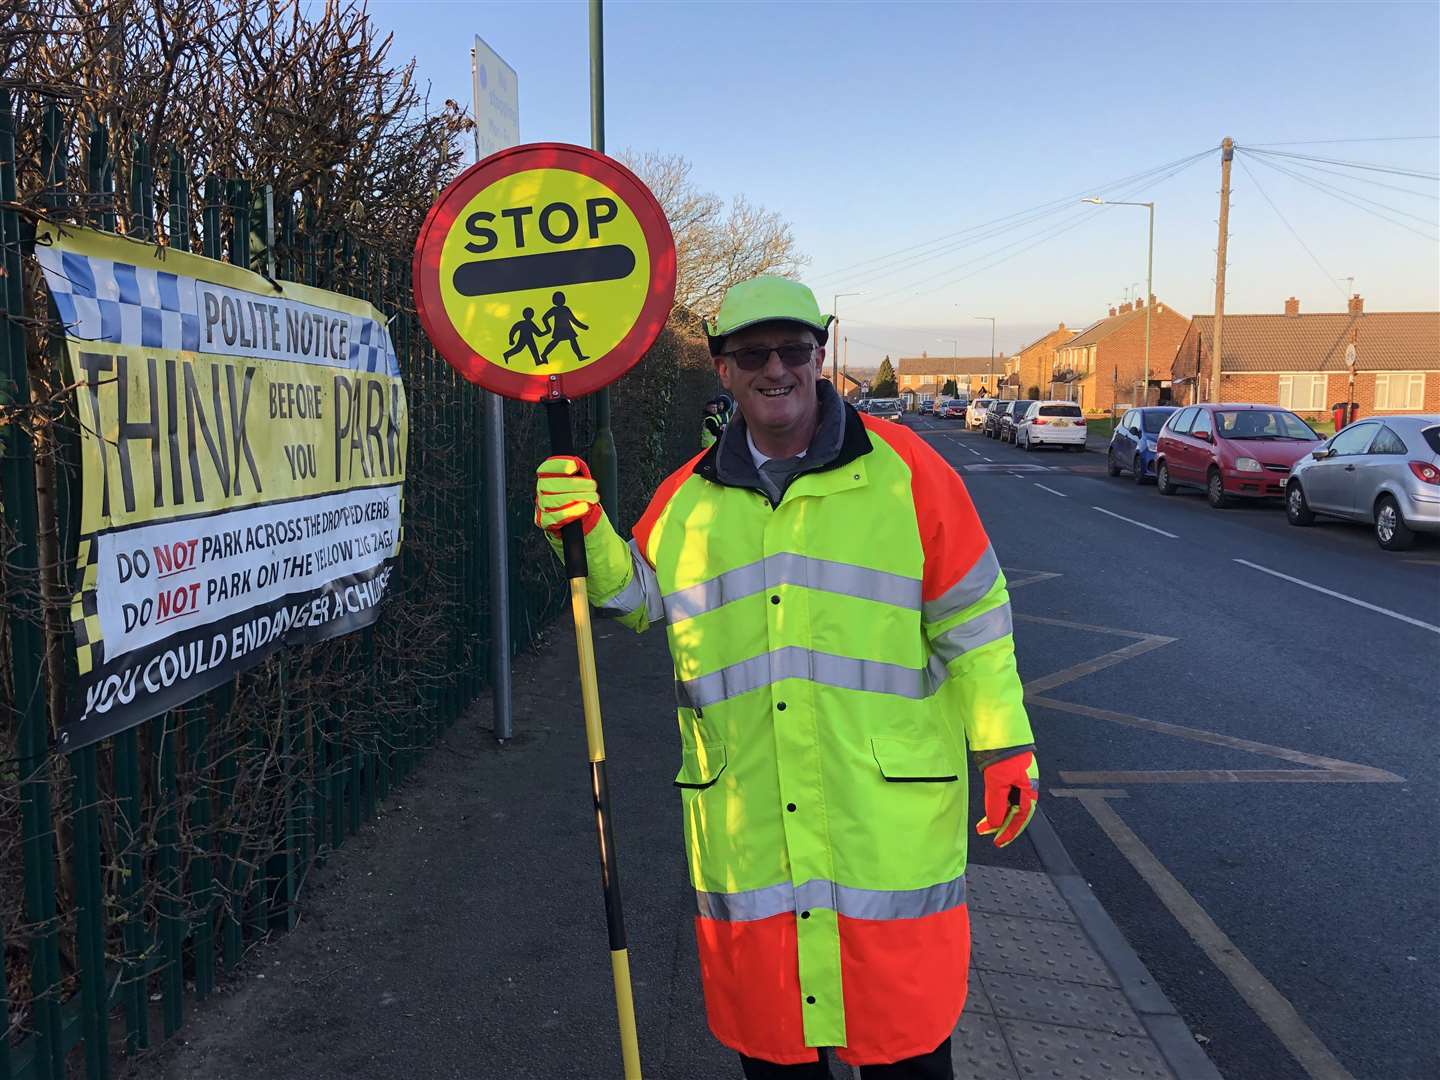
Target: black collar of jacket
point(839, 439)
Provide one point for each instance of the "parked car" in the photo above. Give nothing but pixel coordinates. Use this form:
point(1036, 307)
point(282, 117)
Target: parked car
point(954, 409)
point(1132, 446)
point(886, 408)
point(991, 426)
point(975, 414)
point(927, 406)
point(1010, 417)
point(1384, 472)
point(1051, 423)
point(1231, 451)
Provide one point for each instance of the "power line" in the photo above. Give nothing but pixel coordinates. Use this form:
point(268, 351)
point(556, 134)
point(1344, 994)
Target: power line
point(1379, 138)
point(1286, 222)
point(1334, 193)
point(1331, 188)
point(1370, 166)
point(1043, 237)
point(950, 242)
point(1435, 195)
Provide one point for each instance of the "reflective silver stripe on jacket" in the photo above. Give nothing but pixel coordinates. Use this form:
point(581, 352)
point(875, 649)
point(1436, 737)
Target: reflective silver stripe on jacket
point(878, 904)
point(643, 590)
point(984, 628)
point(794, 662)
point(970, 589)
point(788, 568)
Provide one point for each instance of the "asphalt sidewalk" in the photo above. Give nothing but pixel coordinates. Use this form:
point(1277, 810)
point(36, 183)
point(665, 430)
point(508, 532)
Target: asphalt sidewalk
point(462, 934)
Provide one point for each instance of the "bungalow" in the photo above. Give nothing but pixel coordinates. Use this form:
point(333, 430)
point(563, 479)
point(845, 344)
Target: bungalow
point(1298, 361)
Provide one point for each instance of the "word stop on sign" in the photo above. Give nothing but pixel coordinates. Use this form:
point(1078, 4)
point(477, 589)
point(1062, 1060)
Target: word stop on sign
point(544, 271)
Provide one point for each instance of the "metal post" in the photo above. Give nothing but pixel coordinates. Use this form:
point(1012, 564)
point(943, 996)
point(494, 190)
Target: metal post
point(602, 451)
point(497, 528)
point(1227, 153)
point(1149, 304)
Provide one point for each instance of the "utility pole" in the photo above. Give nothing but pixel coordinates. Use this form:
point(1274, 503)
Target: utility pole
point(602, 450)
point(1227, 154)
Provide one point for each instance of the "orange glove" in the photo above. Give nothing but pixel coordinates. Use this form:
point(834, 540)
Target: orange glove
point(1012, 787)
point(565, 492)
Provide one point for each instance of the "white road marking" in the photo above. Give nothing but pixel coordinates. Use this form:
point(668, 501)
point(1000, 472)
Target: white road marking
point(1341, 596)
point(1132, 521)
point(1052, 491)
point(1268, 1003)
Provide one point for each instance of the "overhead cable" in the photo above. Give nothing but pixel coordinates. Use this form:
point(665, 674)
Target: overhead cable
point(1286, 222)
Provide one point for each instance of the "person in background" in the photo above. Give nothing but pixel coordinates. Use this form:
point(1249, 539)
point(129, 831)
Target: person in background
point(841, 636)
point(711, 424)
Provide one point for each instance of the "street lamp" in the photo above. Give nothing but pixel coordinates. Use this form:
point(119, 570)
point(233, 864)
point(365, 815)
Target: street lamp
point(835, 353)
point(991, 318)
point(1149, 280)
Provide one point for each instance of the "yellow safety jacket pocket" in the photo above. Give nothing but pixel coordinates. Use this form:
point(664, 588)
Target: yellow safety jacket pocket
point(701, 766)
point(907, 761)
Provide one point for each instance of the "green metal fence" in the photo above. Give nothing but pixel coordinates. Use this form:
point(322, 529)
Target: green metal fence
point(134, 874)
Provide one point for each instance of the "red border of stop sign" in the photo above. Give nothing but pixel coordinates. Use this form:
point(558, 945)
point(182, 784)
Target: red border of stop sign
point(603, 370)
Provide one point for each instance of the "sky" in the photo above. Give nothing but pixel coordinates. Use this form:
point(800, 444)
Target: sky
point(905, 143)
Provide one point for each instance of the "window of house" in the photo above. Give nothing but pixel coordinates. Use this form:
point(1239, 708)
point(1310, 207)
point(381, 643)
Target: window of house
point(1399, 389)
point(1302, 391)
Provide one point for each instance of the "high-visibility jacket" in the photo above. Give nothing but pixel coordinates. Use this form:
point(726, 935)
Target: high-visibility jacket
point(835, 655)
point(711, 428)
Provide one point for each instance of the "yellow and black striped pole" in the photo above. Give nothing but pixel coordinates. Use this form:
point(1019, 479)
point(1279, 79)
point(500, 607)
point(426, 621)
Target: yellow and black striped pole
point(573, 539)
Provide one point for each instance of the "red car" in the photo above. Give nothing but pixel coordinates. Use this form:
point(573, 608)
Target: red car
point(1231, 451)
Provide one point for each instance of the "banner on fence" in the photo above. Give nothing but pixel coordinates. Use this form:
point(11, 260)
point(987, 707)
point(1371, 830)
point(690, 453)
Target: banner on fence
point(242, 463)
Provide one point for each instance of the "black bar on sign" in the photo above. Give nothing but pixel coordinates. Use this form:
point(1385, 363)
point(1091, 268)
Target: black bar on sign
point(547, 270)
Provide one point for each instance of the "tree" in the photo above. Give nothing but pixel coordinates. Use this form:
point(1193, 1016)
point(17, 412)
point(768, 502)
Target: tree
point(715, 245)
point(884, 384)
point(949, 389)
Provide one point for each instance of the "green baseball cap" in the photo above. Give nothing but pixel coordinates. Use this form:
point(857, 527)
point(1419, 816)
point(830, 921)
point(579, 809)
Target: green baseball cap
point(766, 298)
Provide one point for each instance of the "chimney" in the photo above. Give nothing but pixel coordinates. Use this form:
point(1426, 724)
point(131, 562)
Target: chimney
point(1292, 306)
point(1126, 308)
point(1357, 305)
point(1112, 312)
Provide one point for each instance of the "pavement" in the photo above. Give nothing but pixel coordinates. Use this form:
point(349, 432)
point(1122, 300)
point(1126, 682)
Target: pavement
point(462, 934)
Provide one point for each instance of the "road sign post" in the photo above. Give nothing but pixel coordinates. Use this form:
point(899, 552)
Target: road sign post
point(497, 126)
point(574, 234)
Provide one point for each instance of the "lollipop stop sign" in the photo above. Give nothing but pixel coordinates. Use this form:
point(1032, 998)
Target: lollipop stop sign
point(544, 272)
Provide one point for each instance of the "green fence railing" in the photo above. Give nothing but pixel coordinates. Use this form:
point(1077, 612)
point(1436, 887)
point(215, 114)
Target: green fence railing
point(136, 872)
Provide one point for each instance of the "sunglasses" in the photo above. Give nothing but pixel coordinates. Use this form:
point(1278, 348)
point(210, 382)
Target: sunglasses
point(755, 357)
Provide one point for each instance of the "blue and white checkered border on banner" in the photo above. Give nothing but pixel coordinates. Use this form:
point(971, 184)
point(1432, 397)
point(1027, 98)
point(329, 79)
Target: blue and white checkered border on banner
point(104, 300)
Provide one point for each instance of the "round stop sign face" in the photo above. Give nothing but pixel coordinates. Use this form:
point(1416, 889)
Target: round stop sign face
point(545, 271)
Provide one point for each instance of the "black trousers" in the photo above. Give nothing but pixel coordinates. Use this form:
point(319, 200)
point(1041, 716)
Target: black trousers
point(932, 1066)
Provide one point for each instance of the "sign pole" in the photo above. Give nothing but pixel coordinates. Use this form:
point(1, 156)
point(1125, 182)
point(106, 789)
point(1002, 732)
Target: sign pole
point(602, 452)
point(576, 570)
point(496, 527)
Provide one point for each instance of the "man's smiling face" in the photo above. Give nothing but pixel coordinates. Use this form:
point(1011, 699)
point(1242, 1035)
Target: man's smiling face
point(776, 399)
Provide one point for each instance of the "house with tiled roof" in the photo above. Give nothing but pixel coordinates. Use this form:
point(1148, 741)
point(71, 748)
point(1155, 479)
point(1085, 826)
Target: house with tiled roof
point(1029, 369)
point(1103, 367)
point(1297, 360)
point(926, 375)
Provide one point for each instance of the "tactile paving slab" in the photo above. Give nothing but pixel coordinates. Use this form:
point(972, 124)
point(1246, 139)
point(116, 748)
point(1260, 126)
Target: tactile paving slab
point(1039, 947)
point(1049, 1001)
point(979, 1051)
point(976, 998)
point(1015, 892)
point(1046, 1052)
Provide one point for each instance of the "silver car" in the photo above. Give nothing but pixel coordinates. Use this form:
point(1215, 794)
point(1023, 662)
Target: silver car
point(1384, 471)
